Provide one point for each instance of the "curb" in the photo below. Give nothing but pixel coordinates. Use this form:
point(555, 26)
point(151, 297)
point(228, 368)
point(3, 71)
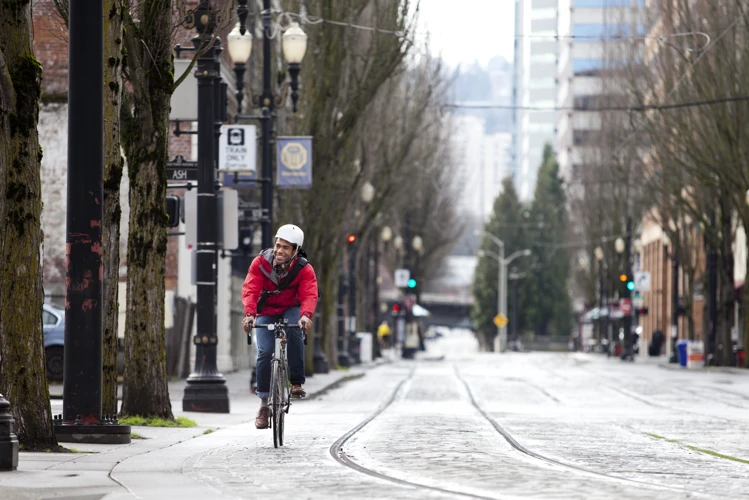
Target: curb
point(710, 369)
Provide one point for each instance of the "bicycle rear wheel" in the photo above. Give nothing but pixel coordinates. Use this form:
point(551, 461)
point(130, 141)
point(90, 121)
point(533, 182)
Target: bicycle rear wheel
point(276, 403)
point(282, 410)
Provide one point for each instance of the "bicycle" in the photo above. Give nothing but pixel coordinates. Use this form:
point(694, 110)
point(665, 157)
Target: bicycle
point(279, 399)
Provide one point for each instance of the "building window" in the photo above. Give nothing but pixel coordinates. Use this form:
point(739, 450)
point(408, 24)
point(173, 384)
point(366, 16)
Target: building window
point(587, 67)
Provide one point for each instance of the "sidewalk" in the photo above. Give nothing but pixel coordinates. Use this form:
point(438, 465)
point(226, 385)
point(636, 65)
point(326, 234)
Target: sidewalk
point(88, 473)
point(662, 362)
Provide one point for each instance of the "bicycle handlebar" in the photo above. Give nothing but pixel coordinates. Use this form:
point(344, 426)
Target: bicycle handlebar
point(272, 327)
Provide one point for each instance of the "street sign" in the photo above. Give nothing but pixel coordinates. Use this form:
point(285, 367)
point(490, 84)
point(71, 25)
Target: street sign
point(638, 301)
point(401, 277)
point(181, 174)
point(500, 320)
point(642, 281)
point(626, 306)
point(181, 170)
point(237, 150)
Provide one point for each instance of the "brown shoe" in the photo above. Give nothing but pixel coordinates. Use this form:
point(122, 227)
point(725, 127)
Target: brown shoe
point(261, 421)
point(297, 391)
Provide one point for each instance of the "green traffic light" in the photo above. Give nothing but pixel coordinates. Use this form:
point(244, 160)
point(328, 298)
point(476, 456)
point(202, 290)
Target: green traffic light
point(630, 285)
point(412, 283)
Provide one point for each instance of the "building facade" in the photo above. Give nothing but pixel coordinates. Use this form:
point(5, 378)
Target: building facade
point(535, 86)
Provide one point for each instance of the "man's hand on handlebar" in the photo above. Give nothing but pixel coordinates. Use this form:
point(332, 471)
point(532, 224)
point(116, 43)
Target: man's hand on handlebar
point(304, 323)
point(248, 323)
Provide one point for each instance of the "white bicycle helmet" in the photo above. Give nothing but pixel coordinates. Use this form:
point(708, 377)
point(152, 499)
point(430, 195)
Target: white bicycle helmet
point(291, 233)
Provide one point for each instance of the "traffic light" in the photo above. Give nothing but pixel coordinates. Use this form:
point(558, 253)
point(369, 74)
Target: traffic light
point(396, 309)
point(627, 281)
point(412, 283)
point(351, 239)
point(172, 211)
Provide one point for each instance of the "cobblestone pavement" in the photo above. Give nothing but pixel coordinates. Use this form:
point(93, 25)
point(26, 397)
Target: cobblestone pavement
point(461, 424)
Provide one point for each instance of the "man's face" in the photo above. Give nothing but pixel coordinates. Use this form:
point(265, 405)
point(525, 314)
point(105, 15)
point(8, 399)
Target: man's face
point(283, 251)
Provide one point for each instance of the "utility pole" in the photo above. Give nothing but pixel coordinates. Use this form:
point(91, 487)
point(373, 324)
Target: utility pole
point(627, 351)
point(206, 389)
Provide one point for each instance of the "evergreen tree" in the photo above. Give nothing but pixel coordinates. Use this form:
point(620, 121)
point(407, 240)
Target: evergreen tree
point(509, 224)
point(549, 311)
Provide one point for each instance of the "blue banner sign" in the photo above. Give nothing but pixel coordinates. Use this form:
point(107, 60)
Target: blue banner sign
point(294, 158)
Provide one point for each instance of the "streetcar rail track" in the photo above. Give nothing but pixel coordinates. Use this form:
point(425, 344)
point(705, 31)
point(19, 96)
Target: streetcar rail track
point(538, 456)
point(338, 453)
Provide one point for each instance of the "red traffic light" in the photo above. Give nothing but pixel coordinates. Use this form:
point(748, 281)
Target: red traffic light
point(351, 238)
point(396, 308)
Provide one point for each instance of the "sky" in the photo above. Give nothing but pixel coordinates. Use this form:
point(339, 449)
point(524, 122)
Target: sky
point(464, 31)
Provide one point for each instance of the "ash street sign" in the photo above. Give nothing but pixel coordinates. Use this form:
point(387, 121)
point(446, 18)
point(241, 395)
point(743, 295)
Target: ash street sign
point(180, 170)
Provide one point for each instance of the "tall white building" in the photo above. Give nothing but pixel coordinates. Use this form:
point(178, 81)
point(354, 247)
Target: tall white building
point(536, 66)
point(485, 160)
point(590, 31)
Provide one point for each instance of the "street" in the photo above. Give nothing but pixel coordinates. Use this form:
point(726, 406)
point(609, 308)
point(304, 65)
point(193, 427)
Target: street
point(453, 424)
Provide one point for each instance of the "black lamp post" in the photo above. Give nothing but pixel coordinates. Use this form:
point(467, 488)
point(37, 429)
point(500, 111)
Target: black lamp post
point(206, 388)
point(81, 420)
point(294, 46)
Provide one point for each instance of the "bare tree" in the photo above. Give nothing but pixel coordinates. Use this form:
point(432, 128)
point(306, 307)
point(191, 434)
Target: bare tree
point(342, 76)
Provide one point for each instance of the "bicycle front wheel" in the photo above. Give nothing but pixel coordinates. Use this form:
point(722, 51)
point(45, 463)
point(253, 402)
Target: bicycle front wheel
point(276, 404)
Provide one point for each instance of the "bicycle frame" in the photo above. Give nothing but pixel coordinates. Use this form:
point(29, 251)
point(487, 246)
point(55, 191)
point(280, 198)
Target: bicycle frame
point(279, 399)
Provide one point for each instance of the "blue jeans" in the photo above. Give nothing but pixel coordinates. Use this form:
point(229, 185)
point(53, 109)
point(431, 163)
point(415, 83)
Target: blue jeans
point(266, 345)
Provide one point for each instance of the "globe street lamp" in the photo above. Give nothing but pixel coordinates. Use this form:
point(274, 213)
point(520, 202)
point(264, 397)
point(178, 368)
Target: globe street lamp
point(398, 243)
point(293, 46)
point(239, 43)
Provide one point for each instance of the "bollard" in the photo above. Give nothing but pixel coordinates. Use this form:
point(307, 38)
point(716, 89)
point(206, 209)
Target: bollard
point(8, 439)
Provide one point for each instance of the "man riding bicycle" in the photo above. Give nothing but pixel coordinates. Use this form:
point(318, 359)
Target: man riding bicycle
point(280, 284)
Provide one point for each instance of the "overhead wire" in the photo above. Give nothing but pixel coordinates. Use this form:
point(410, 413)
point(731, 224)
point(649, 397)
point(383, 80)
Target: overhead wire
point(647, 107)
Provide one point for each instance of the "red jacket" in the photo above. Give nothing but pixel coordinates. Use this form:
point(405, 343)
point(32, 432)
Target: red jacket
point(302, 291)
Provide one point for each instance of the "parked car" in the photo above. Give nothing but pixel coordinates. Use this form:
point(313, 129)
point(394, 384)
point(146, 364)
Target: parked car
point(53, 321)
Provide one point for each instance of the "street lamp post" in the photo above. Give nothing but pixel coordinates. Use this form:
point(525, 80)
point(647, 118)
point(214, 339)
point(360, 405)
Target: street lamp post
point(81, 420)
point(293, 46)
point(502, 284)
point(501, 288)
point(206, 389)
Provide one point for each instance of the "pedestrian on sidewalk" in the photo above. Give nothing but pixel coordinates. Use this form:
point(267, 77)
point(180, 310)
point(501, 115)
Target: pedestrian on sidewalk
point(280, 284)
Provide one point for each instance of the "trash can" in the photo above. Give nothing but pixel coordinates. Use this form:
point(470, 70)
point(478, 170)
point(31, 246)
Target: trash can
point(695, 354)
point(681, 347)
point(365, 346)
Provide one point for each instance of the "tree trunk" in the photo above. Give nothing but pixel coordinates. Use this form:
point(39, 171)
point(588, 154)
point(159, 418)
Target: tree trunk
point(745, 304)
point(727, 293)
point(113, 165)
point(327, 280)
point(145, 138)
point(23, 378)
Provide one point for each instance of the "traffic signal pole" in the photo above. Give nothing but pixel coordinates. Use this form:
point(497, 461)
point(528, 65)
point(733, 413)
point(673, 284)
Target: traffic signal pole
point(627, 350)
